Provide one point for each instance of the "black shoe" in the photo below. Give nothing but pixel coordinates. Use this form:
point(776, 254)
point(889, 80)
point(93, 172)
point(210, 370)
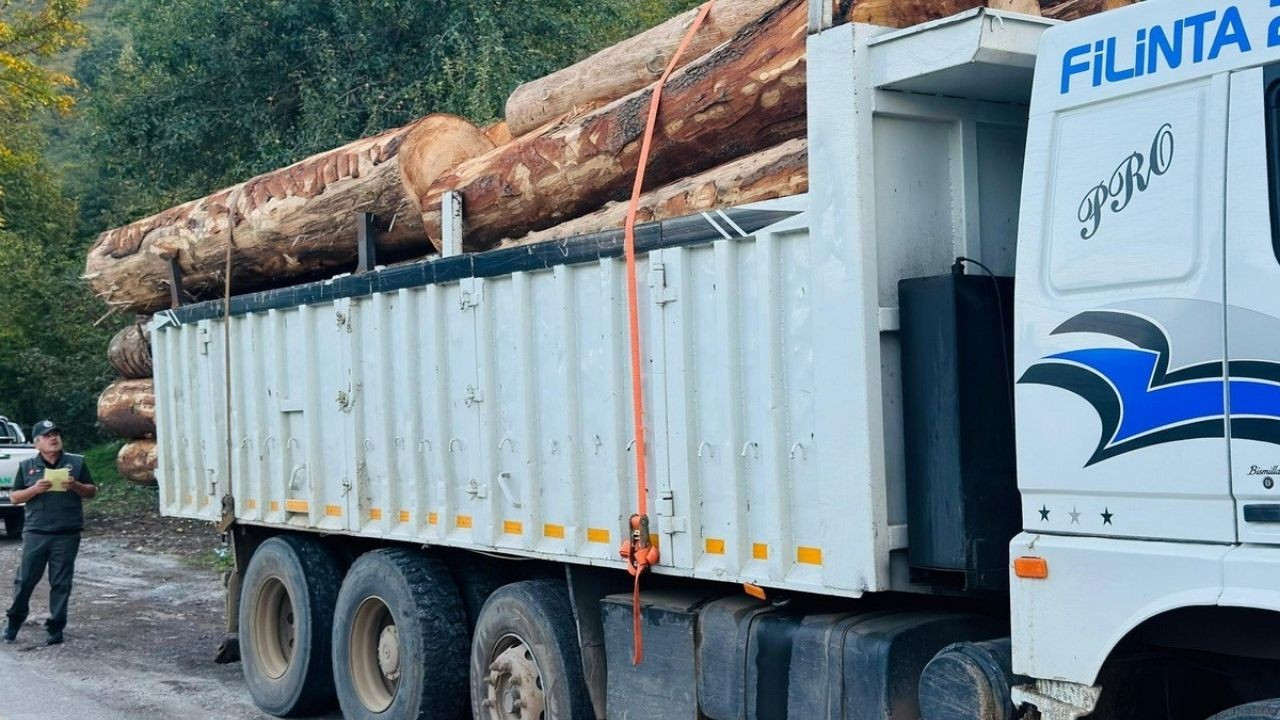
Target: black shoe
point(10, 633)
point(53, 639)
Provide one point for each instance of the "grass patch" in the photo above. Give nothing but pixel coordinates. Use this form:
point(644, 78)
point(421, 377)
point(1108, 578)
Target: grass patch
point(117, 497)
point(216, 559)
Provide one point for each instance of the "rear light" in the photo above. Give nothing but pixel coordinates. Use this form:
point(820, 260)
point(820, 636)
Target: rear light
point(1031, 568)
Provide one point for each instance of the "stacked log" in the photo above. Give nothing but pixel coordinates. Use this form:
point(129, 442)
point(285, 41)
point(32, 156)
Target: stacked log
point(288, 225)
point(127, 408)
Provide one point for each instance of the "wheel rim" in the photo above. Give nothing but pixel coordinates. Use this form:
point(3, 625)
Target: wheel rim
point(513, 687)
point(374, 658)
point(274, 628)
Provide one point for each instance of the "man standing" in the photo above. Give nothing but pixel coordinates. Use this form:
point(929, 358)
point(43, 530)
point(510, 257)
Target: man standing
point(54, 485)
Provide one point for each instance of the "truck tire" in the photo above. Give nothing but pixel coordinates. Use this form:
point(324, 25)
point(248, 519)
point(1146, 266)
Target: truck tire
point(1265, 710)
point(478, 578)
point(400, 639)
point(13, 523)
point(525, 661)
point(286, 612)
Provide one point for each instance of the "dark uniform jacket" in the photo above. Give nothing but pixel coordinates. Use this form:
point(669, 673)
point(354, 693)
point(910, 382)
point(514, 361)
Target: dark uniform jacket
point(53, 513)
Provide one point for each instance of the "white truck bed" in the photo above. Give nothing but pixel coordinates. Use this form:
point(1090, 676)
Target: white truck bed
point(482, 401)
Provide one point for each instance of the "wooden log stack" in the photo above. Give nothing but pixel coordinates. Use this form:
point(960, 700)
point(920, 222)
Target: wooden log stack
point(731, 130)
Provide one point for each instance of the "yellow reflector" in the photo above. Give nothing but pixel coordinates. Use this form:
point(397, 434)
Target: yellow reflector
point(433, 519)
point(296, 506)
point(333, 510)
point(715, 546)
point(760, 551)
point(375, 513)
point(1031, 568)
point(597, 535)
point(754, 591)
point(809, 555)
point(552, 530)
point(463, 521)
point(512, 527)
point(404, 516)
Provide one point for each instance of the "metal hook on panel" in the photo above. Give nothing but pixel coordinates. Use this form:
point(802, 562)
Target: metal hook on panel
point(424, 443)
point(293, 443)
point(368, 444)
point(507, 441)
point(455, 440)
point(754, 446)
point(595, 439)
point(270, 442)
point(246, 442)
point(555, 447)
point(631, 445)
point(503, 477)
point(186, 442)
point(797, 451)
point(293, 477)
point(398, 442)
point(711, 449)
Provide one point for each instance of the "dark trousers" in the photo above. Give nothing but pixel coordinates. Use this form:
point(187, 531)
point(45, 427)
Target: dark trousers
point(59, 553)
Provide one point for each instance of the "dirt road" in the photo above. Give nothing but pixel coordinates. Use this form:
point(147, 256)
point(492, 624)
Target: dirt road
point(144, 624)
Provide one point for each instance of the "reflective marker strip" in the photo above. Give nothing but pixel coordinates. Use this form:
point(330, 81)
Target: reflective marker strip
point(333, 510)
point(404, 516)
point(433, 519)
point(274, 506)
point(760, 551)
point(715, 546)
point(463, 521)
point(512, 527)
point(809, 555)
point(597, 535)
point(251, 504)
point(553, 531)
point(375, 513)
point(296, 506)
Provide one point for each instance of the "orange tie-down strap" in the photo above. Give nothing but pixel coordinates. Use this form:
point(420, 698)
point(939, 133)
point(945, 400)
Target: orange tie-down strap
point(639, 553)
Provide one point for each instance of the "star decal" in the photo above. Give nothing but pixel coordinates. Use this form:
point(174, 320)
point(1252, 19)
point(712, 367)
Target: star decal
point(1044, 513)
point(1075, 516)
point(1106, 516)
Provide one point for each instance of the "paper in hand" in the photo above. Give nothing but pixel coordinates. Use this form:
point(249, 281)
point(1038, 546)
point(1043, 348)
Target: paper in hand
point(57, 477)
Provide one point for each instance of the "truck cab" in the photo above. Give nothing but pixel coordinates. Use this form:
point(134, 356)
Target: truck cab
point(1148, 341)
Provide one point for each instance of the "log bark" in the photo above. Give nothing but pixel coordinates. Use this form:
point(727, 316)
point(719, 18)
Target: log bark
point(127, 408)
point(290, 224)
point(745, 96)
point(1076, 9)
point(626, 67)
point(774, 173)
point(904, 13)
point(137, 462)
point(130, 351)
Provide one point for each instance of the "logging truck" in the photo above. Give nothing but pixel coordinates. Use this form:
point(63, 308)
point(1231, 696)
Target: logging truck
point(984, 424)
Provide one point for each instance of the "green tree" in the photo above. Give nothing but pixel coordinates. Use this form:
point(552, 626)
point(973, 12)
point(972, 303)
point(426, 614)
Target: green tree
point(206, 94)
point(30, 31)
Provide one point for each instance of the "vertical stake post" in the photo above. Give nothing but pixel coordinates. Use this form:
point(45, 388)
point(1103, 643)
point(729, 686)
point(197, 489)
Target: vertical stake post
point(366, 242)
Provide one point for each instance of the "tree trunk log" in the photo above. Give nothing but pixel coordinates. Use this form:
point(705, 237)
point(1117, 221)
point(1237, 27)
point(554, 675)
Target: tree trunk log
point(746, 96)
point(499, 133)
point(130, 351)
point(626, 67)
point(291, 224)
point(774, 173)
point(127, 408)
point(137, 462)
point(904, 13)
point(1076, 9)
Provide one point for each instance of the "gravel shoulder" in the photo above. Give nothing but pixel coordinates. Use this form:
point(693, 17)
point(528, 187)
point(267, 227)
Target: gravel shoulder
point(146, 618)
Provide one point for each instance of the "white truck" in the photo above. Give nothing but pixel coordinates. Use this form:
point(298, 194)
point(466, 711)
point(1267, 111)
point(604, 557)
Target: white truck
point(427, 470)
point(13, 450)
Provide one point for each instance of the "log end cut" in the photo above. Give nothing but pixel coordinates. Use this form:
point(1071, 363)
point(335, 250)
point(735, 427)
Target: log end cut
point(137, 462)
point(127, 408)
point(130, 351)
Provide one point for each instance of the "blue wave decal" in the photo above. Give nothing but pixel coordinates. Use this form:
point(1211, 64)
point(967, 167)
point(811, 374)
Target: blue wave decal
point(1142, 404)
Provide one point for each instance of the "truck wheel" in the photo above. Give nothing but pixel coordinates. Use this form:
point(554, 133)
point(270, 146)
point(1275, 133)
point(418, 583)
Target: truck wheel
point(525, 662)
point(286, 610)
point(13, 524)
point(1265, 710)
point(400, 639)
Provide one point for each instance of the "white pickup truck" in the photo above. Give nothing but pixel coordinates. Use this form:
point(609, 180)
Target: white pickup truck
point(14, 448)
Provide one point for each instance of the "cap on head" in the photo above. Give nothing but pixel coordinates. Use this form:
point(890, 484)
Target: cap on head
point(43, 427)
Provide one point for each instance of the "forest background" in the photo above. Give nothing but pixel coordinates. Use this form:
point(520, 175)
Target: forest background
point(111, 110)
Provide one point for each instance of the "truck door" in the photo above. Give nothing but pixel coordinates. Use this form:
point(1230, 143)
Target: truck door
point(1120, 331)
point(1253, 303)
